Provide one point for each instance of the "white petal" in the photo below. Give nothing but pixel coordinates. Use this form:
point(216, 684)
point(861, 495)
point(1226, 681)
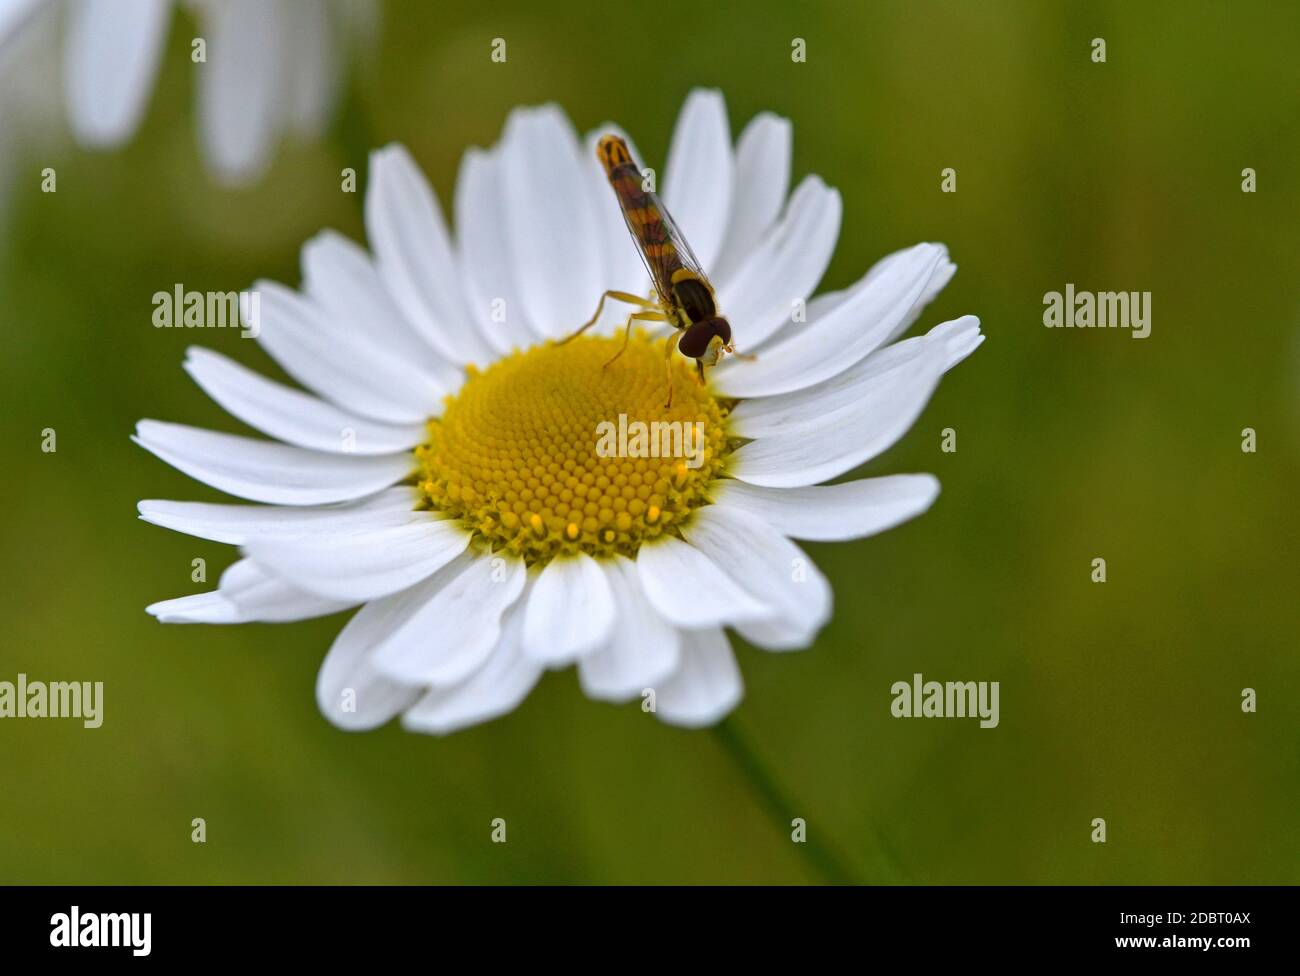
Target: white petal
point(363, 565)
point(570, 611)
point(770, 567)
point(443, 629)
point(813, 448)
point(342, 366)
point(818, 307)
point(642, 649)
point(960, 337)
point(416, 260)
point(785, 267)
point(775, 634)
point(833, 513)
point(483, 243)
point(699, 174)
point(340, 276)
point(241, 86)
point(246, 593)
point(938, 281)
point(312, 67)
point(706, 686)
point(238, 524)
point(350, 692)
point(15, 15)
point(690, 590)
point(199, 608)
point(762, 179)
point(764, 416)
point(850, 330)
point(495, 689)
point(263, 471)
point(293, 416)
point(550, 217)
point(113, 48)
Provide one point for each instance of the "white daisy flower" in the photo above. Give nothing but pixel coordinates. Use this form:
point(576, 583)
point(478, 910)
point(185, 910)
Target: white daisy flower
point(442, 474)
point(271, 66)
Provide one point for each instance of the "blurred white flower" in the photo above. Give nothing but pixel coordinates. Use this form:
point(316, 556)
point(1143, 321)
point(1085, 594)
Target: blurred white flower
point(270, 67)
point(29, 110)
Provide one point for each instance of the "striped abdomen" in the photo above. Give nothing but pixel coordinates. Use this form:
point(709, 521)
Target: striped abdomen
point(640, 208)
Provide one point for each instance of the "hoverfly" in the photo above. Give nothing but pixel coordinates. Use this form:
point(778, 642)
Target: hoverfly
point(685, 296)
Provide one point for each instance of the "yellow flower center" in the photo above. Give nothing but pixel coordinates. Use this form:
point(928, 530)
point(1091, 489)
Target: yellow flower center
point(550, 451)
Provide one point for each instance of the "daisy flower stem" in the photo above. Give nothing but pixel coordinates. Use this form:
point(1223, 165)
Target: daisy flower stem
point(782, 809)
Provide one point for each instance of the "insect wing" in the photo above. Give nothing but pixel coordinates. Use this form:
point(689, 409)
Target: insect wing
point(662, 282)
point(674, 253)
point(659, 241)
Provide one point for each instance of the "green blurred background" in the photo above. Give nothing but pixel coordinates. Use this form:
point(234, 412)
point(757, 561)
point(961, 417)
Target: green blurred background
point(1119, 700)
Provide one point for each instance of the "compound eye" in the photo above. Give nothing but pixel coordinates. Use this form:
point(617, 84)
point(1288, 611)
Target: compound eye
point(694, 342)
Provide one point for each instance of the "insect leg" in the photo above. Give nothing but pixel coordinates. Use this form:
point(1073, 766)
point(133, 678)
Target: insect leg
point(669, 346)
point(644, 316)
point(621, 296)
